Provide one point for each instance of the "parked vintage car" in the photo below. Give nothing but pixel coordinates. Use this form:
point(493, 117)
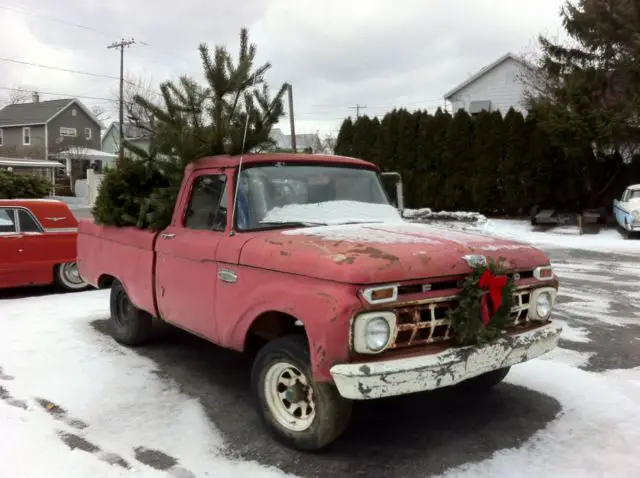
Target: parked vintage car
point(320, 276)
point(38, 244)
point(627, 210)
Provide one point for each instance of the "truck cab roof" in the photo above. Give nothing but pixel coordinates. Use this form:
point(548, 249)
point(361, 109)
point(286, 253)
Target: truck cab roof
point(226, 161)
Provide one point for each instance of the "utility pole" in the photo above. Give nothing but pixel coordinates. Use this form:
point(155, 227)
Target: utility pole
point(121, 44)
point(292, 122)
point(357, 108)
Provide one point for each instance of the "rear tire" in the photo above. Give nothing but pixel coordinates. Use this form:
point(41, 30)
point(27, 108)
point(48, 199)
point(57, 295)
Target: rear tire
point(298, 412)
point(67, 277)
point(486, 381)
point(129, 325)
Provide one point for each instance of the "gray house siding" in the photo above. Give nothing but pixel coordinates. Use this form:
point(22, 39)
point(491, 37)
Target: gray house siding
point(12, 146)
point(80, 121)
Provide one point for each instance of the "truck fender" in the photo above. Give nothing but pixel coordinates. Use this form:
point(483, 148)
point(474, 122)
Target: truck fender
point(325, 315)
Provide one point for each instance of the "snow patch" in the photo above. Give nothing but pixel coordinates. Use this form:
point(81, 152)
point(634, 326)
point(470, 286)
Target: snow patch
point(573, 334)
point(425, 214)
point(51, 350)
point(595, 435)
point(361, 233)
point(333, 212)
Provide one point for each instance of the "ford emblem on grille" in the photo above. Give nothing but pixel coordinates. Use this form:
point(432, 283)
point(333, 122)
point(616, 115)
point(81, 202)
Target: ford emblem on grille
point(475, 260)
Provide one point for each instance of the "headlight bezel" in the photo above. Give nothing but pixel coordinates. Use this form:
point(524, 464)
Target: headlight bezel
point(544, 273)
point(359, 331)
point(533, 301)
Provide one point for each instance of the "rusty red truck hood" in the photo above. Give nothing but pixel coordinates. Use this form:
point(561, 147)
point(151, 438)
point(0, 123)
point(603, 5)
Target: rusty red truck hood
point(381, 253)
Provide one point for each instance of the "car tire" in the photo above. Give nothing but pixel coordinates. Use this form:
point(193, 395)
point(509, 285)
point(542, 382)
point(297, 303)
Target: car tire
point(281, 373)
point(129, 325)
point(67, 277)
point(486, 381)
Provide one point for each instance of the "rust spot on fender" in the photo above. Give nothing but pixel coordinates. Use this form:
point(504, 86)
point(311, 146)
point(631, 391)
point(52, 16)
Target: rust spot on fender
point(375, 253)
point(284, 253)
point(277, 243)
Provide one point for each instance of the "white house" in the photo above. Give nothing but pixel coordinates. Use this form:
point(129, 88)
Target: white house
point(497, 86)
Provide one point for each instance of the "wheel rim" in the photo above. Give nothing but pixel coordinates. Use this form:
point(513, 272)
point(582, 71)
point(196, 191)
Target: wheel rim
point(289, 397)
point(123, 309)
point(71, 274)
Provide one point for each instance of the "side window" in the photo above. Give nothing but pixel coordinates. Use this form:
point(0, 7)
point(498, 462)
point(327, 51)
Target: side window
point(27, 222)
point(7, 221)
point(207, 206)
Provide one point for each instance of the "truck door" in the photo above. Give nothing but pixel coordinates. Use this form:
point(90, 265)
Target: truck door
point(186, 271)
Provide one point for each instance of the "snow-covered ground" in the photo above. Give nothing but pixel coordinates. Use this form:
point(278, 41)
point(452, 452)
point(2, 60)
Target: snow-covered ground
point(73, 403)
point(64, 385)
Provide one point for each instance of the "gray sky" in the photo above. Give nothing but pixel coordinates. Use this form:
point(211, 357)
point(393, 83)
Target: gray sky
point(336, 53)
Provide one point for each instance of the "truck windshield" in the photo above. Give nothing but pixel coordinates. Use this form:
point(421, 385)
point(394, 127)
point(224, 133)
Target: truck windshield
point(273, 196)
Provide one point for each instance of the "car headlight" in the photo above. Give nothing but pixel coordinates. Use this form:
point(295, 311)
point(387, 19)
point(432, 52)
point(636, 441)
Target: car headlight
point(373, 332)
point(636, 215)
point(541, 303)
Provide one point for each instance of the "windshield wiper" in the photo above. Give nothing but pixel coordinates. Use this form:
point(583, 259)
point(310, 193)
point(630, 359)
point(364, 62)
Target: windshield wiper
point(293, 223)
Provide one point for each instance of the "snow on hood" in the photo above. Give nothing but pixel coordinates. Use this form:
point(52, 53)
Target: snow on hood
point(334, 212)
point(380, 252)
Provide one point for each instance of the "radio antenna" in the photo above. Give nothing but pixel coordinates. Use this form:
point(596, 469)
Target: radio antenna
point(244, 141)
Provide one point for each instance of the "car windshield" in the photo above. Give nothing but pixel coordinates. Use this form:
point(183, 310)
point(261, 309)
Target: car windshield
point(304, 195)
point(634, 194)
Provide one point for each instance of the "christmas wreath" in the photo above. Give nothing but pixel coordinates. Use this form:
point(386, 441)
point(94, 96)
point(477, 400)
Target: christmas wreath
point(484, 305)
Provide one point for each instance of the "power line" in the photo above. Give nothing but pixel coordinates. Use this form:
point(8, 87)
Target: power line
point(78, 72)
point(59, 68)
point(36, 13)
point(65, 95)
point(357, 108)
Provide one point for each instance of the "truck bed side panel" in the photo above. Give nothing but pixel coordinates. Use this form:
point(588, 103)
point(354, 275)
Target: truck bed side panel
point(123, 253)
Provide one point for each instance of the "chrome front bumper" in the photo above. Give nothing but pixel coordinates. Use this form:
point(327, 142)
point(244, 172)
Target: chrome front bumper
point(364, 381)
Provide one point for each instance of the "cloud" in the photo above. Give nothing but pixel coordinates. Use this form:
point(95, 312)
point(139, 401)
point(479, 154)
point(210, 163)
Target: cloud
point(336, 53)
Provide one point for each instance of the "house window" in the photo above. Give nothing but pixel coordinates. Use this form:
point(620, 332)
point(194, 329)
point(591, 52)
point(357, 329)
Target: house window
point(1, 140)
point(26, 136)
point(68, 132)
point(87, 134)
point(74, 112)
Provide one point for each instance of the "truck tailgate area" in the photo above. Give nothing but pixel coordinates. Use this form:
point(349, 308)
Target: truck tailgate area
point(125, 254)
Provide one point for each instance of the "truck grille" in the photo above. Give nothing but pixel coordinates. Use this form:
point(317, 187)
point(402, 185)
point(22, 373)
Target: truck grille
point(427, 323)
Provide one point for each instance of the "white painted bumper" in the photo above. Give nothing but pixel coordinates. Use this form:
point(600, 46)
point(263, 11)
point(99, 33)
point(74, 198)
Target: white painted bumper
point(363, 381)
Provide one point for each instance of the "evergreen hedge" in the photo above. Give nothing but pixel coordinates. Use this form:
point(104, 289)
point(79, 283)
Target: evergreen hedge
point(488, 163)
point(22, 186)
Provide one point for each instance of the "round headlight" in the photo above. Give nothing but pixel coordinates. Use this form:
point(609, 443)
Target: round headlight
point(543, 305)
point(376, 334)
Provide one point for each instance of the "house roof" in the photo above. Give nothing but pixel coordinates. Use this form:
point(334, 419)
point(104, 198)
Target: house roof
point(283, 141)
point(487, 69)
point(41, 112)
point(130, 130)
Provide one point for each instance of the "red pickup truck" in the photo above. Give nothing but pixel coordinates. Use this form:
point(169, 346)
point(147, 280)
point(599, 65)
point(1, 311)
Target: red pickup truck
point(318, 274)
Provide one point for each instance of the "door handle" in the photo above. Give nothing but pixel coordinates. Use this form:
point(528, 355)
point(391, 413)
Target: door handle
point(167, 236)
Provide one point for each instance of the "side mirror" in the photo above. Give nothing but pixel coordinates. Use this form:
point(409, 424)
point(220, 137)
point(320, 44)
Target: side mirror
point(399, 191)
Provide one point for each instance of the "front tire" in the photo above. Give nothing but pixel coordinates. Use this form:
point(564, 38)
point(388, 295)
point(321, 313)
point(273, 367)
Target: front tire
point(129, 325)
point(486, 381)
point(299, 412)
point(67, 277)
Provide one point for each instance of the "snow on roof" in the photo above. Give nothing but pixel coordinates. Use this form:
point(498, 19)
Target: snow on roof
point(634, 187)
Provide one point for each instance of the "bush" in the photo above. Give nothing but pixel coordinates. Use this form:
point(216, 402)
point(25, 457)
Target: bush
point(128, 196)
point(22, 186)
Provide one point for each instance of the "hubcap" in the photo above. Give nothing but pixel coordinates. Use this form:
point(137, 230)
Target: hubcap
point(289, 397)
point(71, 273)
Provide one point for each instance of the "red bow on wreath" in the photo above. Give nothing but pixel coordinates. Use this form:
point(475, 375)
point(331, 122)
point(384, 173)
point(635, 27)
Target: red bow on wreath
point(494, 284)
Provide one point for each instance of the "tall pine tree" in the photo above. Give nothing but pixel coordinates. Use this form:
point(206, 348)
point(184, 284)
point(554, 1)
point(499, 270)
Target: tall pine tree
point(193, 121)
point(586, 92)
